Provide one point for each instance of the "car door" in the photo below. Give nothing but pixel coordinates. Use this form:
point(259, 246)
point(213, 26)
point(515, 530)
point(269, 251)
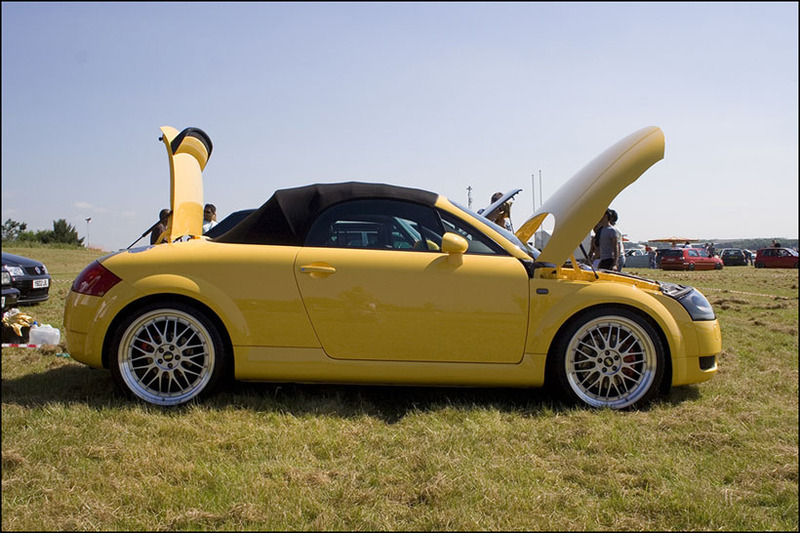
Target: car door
point(693, 258)
point(785, 258)
point(768, 257)
point(395, 296)
point(704, 260)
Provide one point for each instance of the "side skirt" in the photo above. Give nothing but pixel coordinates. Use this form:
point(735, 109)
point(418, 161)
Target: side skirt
point(312, 365)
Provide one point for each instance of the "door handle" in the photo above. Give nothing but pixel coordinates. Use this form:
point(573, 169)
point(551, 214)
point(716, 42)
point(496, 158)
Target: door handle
point(317, 269)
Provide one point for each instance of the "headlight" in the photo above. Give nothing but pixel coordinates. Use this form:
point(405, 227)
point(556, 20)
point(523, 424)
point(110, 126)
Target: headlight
point(14, 270)
point(690, 298)
point(696, 304)
point(6, 278)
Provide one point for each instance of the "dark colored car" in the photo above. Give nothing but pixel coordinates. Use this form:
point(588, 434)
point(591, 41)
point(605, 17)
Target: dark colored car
point(733, 257)
point(228, 222)
point(660, 255)
point(10, 294)
point(776, 258)
point(689, 259)
point(29, 277)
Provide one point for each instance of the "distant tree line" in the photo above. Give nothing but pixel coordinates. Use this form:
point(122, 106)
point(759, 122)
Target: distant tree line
point(744, 244)
point(62, 233)
point(752, 244)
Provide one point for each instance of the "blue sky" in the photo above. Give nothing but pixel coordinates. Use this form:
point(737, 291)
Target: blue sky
point(440, 96)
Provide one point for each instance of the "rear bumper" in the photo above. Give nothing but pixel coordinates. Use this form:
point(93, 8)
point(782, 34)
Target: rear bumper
point(79, 315)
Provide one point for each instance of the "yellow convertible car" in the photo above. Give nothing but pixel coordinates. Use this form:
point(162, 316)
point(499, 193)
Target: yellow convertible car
point(365, 283)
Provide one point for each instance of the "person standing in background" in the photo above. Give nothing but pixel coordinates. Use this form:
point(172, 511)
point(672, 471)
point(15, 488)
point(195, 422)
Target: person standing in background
point(609, 242)
point(502, 216)
point(161, 227)
point(613, 217)
point(652, 254)
point(209, 217)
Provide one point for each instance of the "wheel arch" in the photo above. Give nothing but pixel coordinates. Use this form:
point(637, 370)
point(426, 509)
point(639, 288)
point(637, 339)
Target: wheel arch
point(666, 381)
point(168, 298)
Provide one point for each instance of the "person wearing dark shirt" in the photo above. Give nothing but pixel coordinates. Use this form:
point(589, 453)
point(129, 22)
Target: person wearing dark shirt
point(161, 227)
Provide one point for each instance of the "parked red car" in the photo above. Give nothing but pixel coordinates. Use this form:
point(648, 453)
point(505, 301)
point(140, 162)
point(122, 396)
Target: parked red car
point(776, 258)
point(689, 259)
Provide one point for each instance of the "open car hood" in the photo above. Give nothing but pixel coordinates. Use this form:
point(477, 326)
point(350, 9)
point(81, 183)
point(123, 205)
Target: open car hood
point(494, 206)
point(580, 203)
point(188, 152)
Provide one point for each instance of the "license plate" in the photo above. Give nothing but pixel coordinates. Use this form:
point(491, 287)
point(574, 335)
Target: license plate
point(41, 283)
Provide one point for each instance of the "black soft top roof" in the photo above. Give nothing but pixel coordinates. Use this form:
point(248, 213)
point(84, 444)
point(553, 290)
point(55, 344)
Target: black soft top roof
point(287, 216)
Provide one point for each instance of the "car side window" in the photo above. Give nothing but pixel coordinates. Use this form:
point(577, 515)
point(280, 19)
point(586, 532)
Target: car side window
point(692, 253)
point(478, 242)
point(393, 225)
point(376, 224)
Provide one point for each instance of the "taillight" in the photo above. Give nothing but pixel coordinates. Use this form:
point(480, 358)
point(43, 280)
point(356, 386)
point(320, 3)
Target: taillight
point(95, 280)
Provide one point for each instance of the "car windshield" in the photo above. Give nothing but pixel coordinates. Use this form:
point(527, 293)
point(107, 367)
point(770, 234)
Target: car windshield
point(525, 247)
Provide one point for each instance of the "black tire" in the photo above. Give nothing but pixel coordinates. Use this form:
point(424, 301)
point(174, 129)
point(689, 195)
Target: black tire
point(691, 266)
point(718, 266)
point(759, 265)
point(168, 354)
point(608, 357)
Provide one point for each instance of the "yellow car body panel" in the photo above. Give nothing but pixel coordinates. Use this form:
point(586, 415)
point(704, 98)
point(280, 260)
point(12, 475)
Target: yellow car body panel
point(264, 310)
point(309, 365)
point(558, 297)
point(186, 166)
point(359, 314)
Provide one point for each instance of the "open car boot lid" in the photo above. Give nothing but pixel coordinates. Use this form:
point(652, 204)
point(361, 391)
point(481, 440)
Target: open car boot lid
point(580, 203)
point(188, 152)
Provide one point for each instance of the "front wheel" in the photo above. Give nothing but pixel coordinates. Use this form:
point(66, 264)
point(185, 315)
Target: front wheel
point(759, 265)
point(609, 358)
point(167, 354)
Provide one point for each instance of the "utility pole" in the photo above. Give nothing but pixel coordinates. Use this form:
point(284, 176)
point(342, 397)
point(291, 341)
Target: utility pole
point(540, 188)
point(541, 226)
point(469, 196)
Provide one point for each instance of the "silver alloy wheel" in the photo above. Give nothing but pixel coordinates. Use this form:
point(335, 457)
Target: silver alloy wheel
point(611, 361)
point(166, 357)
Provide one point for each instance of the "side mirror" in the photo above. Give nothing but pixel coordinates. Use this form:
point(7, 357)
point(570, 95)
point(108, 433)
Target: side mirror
point(455, 245)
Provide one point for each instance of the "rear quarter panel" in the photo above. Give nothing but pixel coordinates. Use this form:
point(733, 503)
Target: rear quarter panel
point(251, 288)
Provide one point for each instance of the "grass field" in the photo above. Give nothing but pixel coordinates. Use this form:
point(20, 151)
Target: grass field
point(722, 455)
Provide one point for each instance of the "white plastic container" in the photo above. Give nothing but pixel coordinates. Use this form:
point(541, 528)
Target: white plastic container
point(44, 334)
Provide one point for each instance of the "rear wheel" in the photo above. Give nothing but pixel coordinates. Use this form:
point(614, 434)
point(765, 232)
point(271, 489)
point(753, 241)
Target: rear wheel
point(609, 357)
point(167, 354)
point(718, 266)
point(759, 264)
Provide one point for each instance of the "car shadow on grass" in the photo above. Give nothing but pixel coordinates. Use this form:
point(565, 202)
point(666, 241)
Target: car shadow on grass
point(72, 384)
point(68, 384)
point(390, 403)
